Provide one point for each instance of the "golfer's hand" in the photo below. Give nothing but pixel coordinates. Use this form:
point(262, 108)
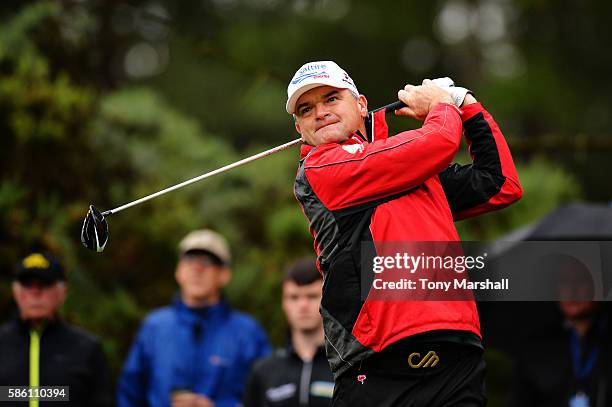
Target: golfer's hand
point(187, 399)
point(420, 100)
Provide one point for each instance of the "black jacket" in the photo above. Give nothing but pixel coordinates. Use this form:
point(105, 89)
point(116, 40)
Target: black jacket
point(68, 357)
point(284, 380)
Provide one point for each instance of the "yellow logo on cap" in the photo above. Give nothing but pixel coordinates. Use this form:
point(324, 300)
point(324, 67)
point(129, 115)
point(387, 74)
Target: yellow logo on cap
point(35, 261)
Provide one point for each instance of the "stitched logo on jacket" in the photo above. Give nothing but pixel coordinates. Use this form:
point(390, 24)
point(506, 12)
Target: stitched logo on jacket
point(430, 360)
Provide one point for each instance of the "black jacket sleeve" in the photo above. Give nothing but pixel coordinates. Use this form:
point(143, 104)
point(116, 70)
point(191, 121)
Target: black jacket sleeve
point(490, 182)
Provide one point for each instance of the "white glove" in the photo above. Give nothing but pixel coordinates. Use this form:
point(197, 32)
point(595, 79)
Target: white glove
point(457, 93)
point(445, 82)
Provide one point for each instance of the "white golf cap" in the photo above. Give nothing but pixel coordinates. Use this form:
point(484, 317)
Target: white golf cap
point(208, 241)
point(314, 74)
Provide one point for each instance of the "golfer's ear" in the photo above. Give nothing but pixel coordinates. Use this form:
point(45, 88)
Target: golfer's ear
point(297, 127)
point(363, 105)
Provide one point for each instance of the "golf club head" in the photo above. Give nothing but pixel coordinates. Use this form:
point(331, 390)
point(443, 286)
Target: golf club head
point(94, 234)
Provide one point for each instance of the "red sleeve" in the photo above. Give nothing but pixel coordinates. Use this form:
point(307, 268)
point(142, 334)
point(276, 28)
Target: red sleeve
point(346, 175)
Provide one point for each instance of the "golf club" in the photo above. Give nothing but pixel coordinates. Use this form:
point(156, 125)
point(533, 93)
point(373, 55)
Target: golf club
point(94, 233)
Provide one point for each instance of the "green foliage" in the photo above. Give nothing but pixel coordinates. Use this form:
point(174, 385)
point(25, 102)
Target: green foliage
point(41, 110)
point(41, 106)
point(16, 31)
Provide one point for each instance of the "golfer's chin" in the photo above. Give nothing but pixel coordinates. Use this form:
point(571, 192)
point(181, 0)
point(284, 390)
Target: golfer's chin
point(334, 133)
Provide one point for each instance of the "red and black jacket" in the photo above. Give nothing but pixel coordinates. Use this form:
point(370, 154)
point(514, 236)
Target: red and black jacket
point(401, 188)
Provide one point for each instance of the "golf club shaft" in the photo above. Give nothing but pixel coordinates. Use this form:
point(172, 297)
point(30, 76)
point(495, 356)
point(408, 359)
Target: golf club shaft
point(203, 176)
point(388, 108)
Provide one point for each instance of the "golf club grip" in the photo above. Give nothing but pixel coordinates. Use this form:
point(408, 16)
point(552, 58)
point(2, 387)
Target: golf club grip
point(391, 107)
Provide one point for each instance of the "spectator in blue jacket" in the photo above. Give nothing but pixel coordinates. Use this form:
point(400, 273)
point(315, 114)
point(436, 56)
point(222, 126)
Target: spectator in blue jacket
point(196, 351)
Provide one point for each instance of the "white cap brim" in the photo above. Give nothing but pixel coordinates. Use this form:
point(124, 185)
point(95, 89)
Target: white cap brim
point(303, 89)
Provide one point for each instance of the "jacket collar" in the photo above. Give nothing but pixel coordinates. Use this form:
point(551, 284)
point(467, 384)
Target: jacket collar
point(290, 350)
point(25, 325)
point(210, 312)
point(375, 124)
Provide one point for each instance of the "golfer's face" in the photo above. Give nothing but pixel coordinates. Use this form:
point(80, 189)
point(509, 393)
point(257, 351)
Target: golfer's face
point(329, 115)
point(37, 299)
point(301, 305)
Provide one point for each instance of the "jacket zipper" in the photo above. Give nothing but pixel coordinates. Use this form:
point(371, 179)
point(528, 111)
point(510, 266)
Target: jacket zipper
point(305, 383)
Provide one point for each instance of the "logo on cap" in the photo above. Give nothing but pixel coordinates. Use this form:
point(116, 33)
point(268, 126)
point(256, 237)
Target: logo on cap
point(35, 261)
point(348, 79)
point(315, 71)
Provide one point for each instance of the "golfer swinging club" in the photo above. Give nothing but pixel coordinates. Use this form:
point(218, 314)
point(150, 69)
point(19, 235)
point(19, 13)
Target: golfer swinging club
point(359, 187)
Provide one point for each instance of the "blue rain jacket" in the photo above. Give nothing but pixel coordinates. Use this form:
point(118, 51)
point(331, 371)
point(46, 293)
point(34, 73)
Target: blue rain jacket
point(205, 350)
